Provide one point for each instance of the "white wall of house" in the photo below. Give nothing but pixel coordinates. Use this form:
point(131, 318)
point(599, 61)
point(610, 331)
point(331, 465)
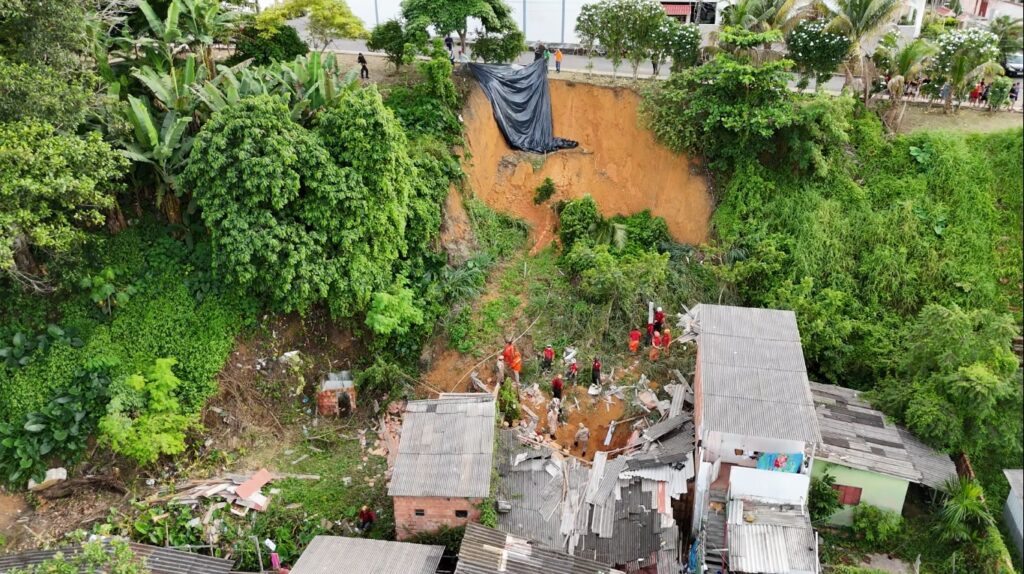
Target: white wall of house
point(997, 8)
point(723, 446)
point(770, 487)
point(1013, 515)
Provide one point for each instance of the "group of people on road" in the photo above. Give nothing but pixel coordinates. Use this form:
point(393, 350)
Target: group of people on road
point(541, 52)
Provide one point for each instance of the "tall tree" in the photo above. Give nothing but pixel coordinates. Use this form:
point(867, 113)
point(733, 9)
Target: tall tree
point(1011, 34)
point(451, 15)
point(643, 21)
point(861, 21)
point(328, 19)
point(958, 386)
point(964, 57)
point(816, 51)
point(51, 186)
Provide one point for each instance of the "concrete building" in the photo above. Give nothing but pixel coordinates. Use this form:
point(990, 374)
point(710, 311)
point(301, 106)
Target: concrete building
point(1013, 510)
point(992, 9)
point(757, 433)
point(873, 461)
point(443, 468)
point(326, 554)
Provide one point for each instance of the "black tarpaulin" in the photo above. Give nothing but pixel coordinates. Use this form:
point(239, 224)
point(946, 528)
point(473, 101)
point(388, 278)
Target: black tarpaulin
point(522, 105)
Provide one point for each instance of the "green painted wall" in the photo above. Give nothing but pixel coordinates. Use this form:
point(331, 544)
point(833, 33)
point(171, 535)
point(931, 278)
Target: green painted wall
point(877, 489)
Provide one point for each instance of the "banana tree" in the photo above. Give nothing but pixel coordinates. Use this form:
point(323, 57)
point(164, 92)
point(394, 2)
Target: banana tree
point(205, 21)
point(172, 90)
point(313, 81)
point(159, 152)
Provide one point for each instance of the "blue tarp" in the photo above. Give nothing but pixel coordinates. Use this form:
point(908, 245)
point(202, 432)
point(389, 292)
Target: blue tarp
point(522, 105)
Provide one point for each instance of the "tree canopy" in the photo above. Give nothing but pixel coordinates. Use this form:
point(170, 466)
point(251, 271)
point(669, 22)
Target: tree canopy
point(52, 187)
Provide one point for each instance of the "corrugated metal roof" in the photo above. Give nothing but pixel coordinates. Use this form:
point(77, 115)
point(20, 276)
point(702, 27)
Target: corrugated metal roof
point(857, 436)
point(935, 467)
point(488, 551)
point(766, 539)
point(158, 560)
point(326, 554)
point(1016, 478)
point(753, 375)
point(446, 448)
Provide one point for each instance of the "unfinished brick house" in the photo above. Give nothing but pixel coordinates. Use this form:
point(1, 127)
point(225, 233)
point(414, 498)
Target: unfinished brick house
point(443, 468)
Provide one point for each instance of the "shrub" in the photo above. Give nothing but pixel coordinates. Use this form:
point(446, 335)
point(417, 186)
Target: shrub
point(823, 500)
point(58, 432)
point(877, 526)
point(382, 378)
point(399, 41)
point(450, 538)
point(278, 44)
point(145, 419)
point(544, 191)
point(816, 51)
point(508, 403)
point(577, 220)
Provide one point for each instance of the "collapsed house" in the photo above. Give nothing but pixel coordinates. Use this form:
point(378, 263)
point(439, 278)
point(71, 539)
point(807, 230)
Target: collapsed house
point(489, 551)
point(872, 460)
point(620, 513)
point(443, 468)
point(757, 433)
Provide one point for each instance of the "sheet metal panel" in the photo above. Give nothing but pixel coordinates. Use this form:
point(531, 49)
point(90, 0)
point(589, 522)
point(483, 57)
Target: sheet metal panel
point(325, 554)
point(446, 448)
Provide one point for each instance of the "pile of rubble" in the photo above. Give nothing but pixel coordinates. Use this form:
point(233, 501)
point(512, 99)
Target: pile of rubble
point(240, 493)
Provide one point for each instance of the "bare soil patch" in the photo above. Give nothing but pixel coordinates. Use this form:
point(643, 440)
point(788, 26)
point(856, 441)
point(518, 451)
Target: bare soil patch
point(618, 162)
point(967, 120)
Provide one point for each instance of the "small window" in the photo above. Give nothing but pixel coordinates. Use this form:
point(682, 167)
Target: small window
point(420, 512)
point(461, 514)
point(848, 495)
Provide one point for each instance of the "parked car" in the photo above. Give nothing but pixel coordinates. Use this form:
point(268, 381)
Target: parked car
point(1014, 65)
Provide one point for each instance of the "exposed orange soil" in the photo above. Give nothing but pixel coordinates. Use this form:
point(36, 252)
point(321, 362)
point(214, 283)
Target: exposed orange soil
point(618, 162)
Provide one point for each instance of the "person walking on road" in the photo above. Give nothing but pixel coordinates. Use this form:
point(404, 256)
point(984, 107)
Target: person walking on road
point(558, 60)
point(547, 58)
point(364, 72)
point(582, 437)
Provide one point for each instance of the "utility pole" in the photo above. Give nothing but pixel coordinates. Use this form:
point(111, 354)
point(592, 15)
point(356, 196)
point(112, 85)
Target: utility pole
point(376, 13)
point(524, 20)
point(563, 22)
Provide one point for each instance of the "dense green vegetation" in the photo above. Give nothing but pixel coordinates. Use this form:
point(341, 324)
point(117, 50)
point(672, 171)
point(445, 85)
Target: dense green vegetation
point(900, 255)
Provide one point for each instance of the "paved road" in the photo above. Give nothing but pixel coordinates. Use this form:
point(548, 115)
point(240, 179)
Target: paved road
point(571, 63)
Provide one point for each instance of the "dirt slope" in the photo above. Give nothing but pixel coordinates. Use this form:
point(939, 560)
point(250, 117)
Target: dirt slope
point(618, 162)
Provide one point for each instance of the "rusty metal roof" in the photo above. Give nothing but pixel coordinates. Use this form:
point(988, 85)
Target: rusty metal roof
point(158, 560)
point(446, 448)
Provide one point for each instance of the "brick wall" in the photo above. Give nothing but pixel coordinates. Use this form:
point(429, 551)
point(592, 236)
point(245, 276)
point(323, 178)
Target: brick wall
point(437, 512)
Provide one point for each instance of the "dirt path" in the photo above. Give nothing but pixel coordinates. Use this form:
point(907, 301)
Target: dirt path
point(618, 163)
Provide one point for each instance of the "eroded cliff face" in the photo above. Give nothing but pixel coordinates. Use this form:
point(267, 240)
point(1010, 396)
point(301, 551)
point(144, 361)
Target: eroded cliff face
point(618, 162)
